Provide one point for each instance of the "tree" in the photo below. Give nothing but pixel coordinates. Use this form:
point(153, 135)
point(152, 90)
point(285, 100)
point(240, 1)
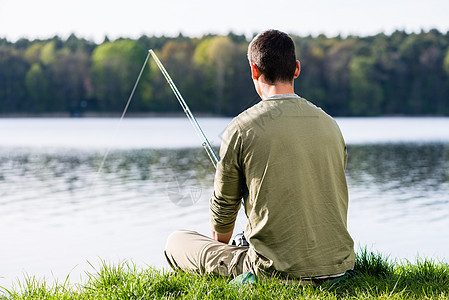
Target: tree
point(216, 54)
point(311, 81)
point(71, 80)
point(336, 68)
point(38, 90)
point(176, 58)
point(13, 69)
point(366, 96)
point(402, 73)
point(33, 53)
point(424, 58)
point(48, 53)
point(116, 66)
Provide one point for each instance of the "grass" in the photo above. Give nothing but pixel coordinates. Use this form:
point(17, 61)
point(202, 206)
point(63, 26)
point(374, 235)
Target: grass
point(378, 279)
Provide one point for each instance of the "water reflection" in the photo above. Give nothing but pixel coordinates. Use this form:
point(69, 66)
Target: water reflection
point(400, 166)
point(73, 178)
point(409, 173)
point(415, 170)
point(399, 198)
point(381, 173)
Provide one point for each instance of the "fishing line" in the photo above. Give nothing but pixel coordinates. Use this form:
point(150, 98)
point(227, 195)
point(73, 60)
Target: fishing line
point(100, 168)
point(205, 142)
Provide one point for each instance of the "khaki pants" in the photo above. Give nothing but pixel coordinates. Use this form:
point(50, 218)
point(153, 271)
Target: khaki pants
point(191, 251)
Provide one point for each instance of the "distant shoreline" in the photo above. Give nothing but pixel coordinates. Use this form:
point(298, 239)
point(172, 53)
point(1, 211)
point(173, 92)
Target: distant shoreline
point(105, 115)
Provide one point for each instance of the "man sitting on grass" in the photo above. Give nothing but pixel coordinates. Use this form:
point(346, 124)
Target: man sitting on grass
point(286, 159)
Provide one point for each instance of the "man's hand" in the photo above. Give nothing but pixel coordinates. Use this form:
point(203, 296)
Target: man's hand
point(222, 237)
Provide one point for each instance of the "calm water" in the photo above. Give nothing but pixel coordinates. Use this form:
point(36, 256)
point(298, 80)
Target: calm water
point(58, 213)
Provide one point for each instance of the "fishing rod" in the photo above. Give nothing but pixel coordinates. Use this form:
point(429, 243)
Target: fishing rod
point(205, 142)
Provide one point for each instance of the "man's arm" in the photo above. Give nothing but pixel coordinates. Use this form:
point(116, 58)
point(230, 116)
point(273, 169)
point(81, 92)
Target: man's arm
point(227, 196)
point(222, 237)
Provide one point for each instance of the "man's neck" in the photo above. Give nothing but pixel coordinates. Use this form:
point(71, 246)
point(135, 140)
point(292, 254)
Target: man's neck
point(276, 89)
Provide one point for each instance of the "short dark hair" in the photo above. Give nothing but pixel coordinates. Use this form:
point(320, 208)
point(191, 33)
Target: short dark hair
point(273, 52)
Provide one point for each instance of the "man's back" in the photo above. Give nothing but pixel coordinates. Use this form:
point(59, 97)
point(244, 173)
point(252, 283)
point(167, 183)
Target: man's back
point(289, 157)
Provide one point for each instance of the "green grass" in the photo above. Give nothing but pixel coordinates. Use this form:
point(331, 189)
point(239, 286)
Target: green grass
point(378, 279)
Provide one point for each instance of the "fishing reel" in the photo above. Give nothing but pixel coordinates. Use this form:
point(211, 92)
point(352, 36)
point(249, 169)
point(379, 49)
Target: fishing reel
point(239, 240)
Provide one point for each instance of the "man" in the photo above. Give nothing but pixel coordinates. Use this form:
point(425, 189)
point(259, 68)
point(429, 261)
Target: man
point(286, 159)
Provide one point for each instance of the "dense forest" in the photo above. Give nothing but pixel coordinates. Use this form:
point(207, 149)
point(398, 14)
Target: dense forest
point(397, 74)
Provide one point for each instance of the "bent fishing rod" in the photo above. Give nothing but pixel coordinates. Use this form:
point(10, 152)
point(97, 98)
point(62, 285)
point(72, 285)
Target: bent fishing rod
point(205, 142)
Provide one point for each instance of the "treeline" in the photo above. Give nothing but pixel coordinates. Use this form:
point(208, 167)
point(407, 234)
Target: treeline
point(397, 74)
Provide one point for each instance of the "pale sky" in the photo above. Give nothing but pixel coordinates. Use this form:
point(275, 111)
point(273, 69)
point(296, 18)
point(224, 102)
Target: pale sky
point(94, 19)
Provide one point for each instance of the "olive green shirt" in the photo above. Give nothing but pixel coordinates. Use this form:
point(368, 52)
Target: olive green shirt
point(286, 159)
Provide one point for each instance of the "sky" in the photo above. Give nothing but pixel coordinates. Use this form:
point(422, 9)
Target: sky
point(95, 19)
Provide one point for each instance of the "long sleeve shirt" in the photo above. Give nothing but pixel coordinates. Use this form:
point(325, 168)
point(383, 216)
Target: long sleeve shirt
point(286, 158)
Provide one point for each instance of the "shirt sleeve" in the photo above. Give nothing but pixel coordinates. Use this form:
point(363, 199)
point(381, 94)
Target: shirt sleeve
point(227, 196)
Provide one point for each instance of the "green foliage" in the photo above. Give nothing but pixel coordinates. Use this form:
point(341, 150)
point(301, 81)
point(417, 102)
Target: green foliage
point(365, 92)
point(401, 73)
point(13, 69)
point(38, 87)
point(48, 53)
point(32, 54)
point(216, 54)
point(446, 63)
point(115, 66)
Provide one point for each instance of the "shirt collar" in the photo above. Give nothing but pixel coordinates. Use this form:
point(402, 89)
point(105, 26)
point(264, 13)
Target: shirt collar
point(282, 96)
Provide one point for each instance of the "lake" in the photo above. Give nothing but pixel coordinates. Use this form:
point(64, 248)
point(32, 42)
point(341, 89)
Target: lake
point(61, 214)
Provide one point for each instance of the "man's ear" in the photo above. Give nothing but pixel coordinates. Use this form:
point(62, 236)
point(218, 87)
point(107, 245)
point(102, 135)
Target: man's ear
point(298, 69)
point(255, 73)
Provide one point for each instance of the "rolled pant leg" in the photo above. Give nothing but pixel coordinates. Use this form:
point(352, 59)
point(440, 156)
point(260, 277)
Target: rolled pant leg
point(191, 251)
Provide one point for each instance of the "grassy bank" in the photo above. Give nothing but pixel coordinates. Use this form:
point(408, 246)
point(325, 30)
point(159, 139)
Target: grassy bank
point(378, 278)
